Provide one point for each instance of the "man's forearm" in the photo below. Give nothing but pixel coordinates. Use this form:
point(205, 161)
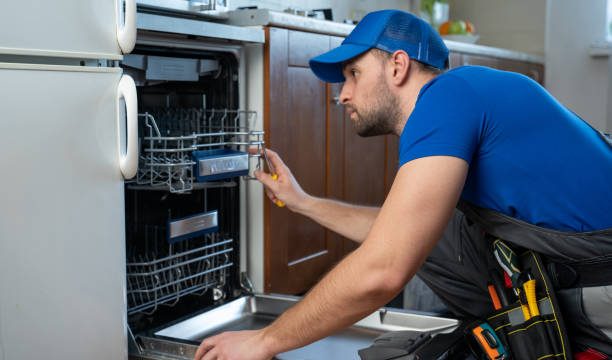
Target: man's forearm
point(413, 218)
point(351, 221)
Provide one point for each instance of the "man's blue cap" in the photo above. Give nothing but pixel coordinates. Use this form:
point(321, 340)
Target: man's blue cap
point(387, 30)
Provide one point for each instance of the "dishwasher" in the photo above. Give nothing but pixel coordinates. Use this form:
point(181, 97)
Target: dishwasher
point(184, 280)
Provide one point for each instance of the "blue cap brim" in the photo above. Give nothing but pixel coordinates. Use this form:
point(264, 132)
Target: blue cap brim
point(328, 66)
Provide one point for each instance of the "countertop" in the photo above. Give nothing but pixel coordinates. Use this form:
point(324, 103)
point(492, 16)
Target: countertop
point(264, 17)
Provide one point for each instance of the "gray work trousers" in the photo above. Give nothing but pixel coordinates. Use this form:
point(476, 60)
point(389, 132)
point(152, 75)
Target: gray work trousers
point(457, 271)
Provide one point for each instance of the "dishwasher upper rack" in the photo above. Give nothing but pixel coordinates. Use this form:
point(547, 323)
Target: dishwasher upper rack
point(189, 267)
point(171, 135)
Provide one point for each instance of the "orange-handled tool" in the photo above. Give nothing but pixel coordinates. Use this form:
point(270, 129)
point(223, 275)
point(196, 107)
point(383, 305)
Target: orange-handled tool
point(278, 202)
point(489, 342)
point(494, 297)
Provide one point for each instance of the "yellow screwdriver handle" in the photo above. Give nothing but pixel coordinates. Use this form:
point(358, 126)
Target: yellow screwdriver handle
point(530, 287)
point(278, 202)
point(526, 313)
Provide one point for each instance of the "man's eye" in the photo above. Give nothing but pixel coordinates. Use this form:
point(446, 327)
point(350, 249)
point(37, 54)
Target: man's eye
point(353, 72)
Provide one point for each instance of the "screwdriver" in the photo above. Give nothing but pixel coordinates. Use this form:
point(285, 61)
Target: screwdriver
point(508, 260)
point(530, 293)
point(498, 285)
point(494, 297)
point(278, 202)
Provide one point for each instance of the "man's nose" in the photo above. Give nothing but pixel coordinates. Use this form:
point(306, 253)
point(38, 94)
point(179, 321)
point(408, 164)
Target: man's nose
point(345, 94)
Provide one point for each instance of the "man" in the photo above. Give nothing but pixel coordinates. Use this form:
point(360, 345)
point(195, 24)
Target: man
point(490, 138)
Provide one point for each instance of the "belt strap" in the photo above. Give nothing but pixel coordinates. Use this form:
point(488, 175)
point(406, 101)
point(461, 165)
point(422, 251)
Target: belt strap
point(584, 273)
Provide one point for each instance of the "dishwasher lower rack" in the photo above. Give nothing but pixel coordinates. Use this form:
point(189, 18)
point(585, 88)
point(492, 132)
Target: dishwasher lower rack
point(169, 138)
point(181, 340)
point(163, 276)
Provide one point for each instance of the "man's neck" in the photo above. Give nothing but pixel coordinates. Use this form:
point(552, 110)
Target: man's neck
point(409, 95)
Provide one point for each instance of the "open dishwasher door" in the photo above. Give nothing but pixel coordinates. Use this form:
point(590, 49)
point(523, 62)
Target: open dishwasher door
point(181, 340)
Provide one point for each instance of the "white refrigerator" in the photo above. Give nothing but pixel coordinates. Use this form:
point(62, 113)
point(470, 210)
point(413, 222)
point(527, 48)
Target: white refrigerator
point(68, 140)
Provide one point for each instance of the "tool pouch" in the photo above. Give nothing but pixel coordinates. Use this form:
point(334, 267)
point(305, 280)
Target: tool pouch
point(542, 336)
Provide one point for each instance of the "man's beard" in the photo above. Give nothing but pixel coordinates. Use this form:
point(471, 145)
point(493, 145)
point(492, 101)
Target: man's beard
point(380, 117)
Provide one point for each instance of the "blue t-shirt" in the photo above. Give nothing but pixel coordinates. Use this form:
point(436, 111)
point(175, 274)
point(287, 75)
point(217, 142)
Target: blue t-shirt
point(529, 156)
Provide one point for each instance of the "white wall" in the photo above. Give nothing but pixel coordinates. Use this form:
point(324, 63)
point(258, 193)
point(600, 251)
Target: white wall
point(517, 25)
point(562, 31)
point(578, 80)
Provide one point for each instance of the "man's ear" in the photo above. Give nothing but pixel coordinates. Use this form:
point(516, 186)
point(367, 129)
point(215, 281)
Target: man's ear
point(400, 63)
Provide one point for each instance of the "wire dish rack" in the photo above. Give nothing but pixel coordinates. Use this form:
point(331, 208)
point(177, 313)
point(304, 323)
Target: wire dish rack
point(162, 277)
point(171, 135)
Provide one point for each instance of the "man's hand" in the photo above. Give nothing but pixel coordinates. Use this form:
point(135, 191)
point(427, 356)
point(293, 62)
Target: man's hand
point(237, 345)
point(285, 188)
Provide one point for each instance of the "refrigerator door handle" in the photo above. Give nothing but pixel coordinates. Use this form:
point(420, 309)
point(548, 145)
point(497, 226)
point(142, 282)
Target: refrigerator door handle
point(126, 32)
point(128, 161)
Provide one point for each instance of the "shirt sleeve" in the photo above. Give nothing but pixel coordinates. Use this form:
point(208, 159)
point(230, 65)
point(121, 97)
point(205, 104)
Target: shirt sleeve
point(448, 119)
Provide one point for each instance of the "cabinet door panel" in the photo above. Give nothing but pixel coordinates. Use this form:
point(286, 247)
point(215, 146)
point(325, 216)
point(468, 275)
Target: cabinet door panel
point(297, 249)
point(480, 60)
point(306, 155)
point(535, 71)
point(305, 46)
point(392, 158)
point(512, 65)
point(337, 124)
point(305, 123)
point(364, 172)
point(532, 70)
point(455, 60)
point(364, 166)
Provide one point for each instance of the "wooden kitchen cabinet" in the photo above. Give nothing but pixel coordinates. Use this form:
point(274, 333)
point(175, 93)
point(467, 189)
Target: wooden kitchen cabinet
point(455, 59)
point(365, 179)
point(533, 70)
point(297, 250)
point(306, 125)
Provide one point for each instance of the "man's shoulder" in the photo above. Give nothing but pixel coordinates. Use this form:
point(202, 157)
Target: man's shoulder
point(473, 82)
point(461, 77)
point(461, 82)
point(475, 73)
point(472, 70)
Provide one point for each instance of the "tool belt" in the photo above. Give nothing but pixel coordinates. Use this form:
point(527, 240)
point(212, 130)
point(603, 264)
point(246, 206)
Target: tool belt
point(559, 250)
point(575, 274)
point(527, 322)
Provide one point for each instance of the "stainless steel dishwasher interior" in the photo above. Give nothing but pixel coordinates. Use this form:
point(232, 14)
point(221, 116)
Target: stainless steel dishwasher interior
point(254, 312)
